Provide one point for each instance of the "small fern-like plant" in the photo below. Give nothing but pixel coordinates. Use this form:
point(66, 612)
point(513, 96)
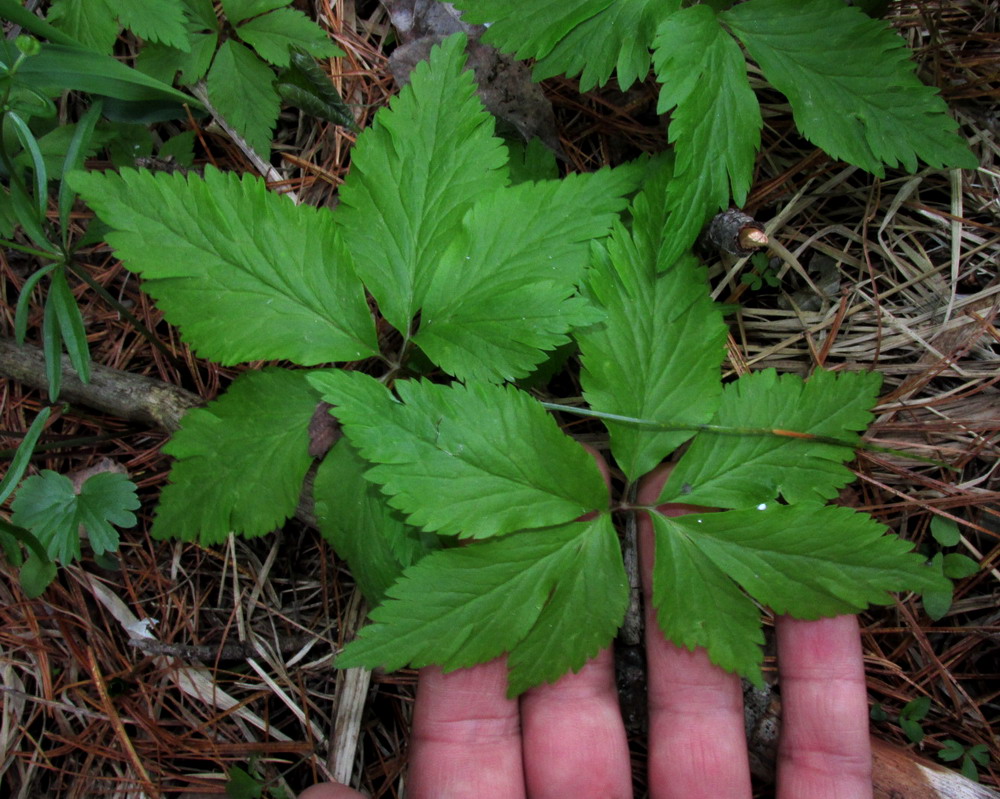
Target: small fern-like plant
point(474, 525)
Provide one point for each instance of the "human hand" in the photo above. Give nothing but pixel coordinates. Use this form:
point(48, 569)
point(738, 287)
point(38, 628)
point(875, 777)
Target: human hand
point(469, 741)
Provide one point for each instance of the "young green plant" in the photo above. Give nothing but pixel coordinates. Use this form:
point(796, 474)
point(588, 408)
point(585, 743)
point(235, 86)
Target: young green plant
point(472, 522)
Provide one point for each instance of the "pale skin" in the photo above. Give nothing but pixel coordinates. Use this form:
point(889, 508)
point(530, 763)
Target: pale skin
point(568, 740)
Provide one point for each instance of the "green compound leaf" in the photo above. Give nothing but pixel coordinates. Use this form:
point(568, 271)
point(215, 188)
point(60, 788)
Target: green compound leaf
point(274, 35)
point(240, 87)
point(163, 63)
point(475, 461)
point(551, 598)
point(528, 29)
point(742, 470)
point(715, 124)
point(850, 82)
point(47, 505)
point(414, 175)
point(245, 273)
point(503, 292)
point(354, 518)
point(160, 21)
point(659, 350)
point(617, 39)
point(806, 560)
point(241, 460)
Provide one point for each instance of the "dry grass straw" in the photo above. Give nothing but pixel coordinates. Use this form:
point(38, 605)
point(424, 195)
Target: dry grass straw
point(236, 671)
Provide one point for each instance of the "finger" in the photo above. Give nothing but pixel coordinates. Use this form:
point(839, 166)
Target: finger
point(825, 749)
point(574, 738)
point(330, 790)
point(466, 738)
point(697, 744)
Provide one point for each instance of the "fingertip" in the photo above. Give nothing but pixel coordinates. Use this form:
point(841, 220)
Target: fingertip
point(330, 790)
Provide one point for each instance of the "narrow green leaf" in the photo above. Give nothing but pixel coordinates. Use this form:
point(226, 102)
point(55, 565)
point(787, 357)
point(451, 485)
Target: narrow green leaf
point(851, 84)
point(52, 349)
point(38, 170)
point(414, 175)
point(24, 302)
point(71, 327)
point(552, 598)
point(504, 291)
point(17, 13)
point(75, 154)
point(745, 469)
point(23, 455)
point(715, 124)
point(476, 460)
point(241, 88)
point(60, 67)
point(274, 36)
point(47, 505)
point(241, 460)
point(362, 529)
point(245, 273)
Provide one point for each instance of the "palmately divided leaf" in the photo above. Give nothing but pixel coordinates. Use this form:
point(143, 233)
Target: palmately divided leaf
point(806, 560)
point(551, 598)
point(715, 124)
point(503, 292)
point(91, 22)
point(362, 529)
point(48, 506)
point(530, 28)
point(274, 35)
point(415, 172)
point(241, 460)
point(616, 39)
point(697, 605)
point(245, 273)
point(851, 84)
point(657, 355)
point(241, 88)
point(239, 10)
point(477, 460)
point(744, 469)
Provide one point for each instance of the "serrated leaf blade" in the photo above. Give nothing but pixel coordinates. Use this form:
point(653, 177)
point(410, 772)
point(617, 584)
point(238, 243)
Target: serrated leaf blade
point(160, 21)
point(415, 172)
point(240, 461)
point(851, 84)
point(245, 273)
point(476, 460)
point(459, 607)
point(741, 470)
point(503, 292)
point(274, 35)
point(241, 87)
point(715, 121)
point(362, 529)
